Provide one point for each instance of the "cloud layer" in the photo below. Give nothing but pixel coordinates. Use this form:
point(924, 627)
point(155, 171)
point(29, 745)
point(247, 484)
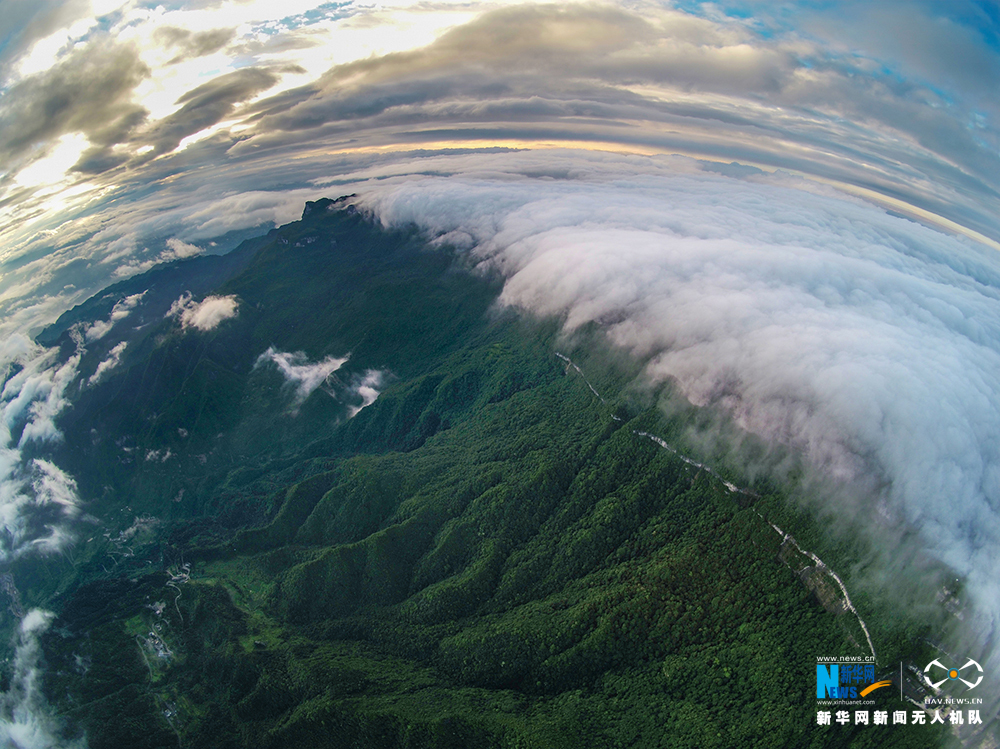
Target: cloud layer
point(38, 501)
point(26, 719)
point(367, 388)
point(95, 174)
point(866, 342)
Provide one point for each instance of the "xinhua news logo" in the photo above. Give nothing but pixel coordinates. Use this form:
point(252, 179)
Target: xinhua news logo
point(846, 681)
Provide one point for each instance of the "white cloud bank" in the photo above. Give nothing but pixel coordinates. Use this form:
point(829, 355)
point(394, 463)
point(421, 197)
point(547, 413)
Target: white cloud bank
point(869, 343)
point(204, 315)
point(26, 719)
point(38, 501)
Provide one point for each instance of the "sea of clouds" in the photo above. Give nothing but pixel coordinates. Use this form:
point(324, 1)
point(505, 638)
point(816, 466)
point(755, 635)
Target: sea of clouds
point(865, 342)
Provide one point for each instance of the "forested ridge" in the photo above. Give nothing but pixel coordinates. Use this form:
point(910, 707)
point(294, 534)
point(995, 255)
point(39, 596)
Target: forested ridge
point(489, 555)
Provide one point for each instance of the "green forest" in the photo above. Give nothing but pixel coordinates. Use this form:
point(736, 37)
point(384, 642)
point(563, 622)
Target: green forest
point(489, 555)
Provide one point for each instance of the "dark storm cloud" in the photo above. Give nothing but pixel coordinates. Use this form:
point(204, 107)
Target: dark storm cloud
point(208, 104)
point(89, 92)
point(191, 44)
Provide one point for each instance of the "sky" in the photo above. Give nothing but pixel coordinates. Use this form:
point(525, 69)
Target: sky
point(791, 210)
point(118, 118)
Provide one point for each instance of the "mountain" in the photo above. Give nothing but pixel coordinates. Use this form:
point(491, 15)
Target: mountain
point(339, 496)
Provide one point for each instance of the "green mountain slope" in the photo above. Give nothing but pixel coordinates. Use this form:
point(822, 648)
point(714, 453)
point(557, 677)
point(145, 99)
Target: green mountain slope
point(487, 556)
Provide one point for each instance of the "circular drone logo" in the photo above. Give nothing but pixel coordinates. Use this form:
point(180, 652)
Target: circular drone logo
point(953, 674)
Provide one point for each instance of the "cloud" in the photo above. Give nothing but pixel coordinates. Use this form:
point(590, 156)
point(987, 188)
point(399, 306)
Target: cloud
point(114, 358)
point(54, 486)
point(865, 342)
point(161, 456)
point(38, 398)
point(120, 311)
point(358, 392)
point(25, 22)
point(242, 210)
point(177, 249)
point(38, 501)
point(191, 44)
point(299, 372)
point(204, 315)
point(88, 92)
point(529, 51)
point(951, 49)
point(207, 105)
point(657, 80)
point(367, 387)
point(27, 720)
